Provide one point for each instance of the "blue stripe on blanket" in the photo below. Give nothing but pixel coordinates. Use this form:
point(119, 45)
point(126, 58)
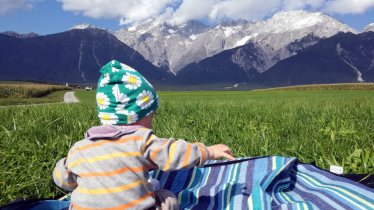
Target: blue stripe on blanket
point(264, 183)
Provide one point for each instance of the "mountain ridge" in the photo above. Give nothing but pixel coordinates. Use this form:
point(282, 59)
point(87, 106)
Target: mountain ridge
point(164, 46)
point(342, 58)
point(74, 56)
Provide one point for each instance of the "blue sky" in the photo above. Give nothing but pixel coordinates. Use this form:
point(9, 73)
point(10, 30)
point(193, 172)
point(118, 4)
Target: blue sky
point(51, 16)
point(48, 17)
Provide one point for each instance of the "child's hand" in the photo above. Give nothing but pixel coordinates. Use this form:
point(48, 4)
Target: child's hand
point(220, 151)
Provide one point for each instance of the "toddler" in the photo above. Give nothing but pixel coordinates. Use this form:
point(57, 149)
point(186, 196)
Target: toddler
point(109, 168)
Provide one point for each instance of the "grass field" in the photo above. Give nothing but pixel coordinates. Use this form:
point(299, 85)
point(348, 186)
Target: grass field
point(341, 86)
point(325, 127)
point(17, 93)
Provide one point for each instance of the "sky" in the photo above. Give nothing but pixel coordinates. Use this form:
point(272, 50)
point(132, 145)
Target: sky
point(53, 16)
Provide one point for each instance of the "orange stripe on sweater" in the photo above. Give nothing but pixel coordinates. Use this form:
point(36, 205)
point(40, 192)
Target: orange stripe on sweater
point(115, 172)
point(187, 156)
point(134, 202)
point(203, 153)
point(103, 157)
point(120, 207)
point(148, 142)
point(100, 143)
point(171, 155)
point(157, 150)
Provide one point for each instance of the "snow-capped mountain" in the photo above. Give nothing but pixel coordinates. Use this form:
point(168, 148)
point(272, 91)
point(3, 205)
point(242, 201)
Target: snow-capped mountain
point(85, 26)
point(174, 47)
point(369, 27)
point(160, 43)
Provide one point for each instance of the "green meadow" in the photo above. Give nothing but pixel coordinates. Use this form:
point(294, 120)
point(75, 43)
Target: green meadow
point(323, 127)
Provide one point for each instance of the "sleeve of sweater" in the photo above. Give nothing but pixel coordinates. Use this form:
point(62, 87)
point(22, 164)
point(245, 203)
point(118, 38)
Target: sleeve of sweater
point(170, 154)
point(63, 178)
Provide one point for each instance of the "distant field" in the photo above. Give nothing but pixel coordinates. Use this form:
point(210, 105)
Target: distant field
point(246, 87)
point(324, 127)
point(15, 93)
point(342, 86)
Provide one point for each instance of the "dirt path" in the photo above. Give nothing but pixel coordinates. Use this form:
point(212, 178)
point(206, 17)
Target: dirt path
point(69, 97)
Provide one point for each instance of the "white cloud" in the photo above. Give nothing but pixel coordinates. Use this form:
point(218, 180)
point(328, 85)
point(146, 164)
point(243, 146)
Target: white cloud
point(8, 6)
point(302, 4)
point(130, 11)
point(180, 11)
point(349, 6)
point(189, 10)
point(218, 9)
point(249, 9)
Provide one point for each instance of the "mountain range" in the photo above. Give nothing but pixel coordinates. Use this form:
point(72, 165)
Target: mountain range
point(174, 47)
point(74, 56)
point(295, 47)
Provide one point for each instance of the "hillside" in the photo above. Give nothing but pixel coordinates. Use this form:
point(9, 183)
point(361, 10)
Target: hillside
point(74, 56)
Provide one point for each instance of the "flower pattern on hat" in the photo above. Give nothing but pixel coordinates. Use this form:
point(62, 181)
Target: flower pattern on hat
point(102, 100)
point(105, 80)
point(131, 81)
point(120, 108)
point(114, 69)
point(120, 97)
point(144, 99)
point(132, 117)
point(108, 118)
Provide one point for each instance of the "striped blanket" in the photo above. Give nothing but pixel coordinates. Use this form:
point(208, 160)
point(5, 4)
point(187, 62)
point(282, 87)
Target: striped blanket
point(254, 183)
point(264, 183)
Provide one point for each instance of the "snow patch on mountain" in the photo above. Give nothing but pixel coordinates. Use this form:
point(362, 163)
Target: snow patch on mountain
point(290, 21)
point(244, 40)
point(132, 28)
point(369, 27)
point(340, 52)
point(171, 31)
point(193, 36)
point(84, 26)
point(18, 35)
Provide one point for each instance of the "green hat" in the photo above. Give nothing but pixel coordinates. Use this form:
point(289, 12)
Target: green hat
point(123, 95)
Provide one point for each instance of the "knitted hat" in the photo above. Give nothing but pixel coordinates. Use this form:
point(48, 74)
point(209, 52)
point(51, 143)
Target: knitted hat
point(123, 95)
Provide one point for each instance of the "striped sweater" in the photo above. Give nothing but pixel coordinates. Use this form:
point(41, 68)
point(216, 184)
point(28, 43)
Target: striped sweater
point(109, 168)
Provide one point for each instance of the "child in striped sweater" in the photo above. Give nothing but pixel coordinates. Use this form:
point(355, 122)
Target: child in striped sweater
point(109, 168)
